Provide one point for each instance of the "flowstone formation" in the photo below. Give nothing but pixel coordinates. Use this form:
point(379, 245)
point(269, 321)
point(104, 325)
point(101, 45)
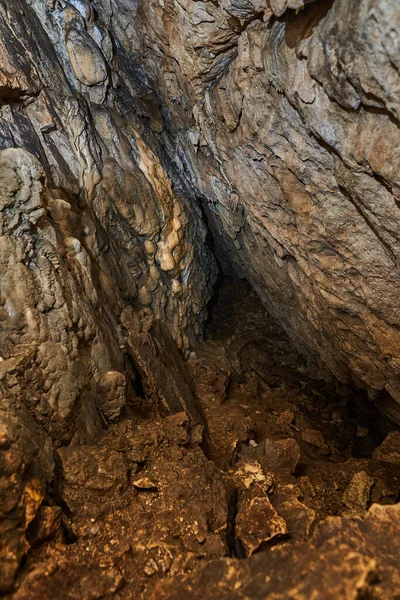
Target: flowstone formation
point(199, 314)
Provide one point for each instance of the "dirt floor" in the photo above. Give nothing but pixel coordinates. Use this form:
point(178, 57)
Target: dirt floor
point(146, 511)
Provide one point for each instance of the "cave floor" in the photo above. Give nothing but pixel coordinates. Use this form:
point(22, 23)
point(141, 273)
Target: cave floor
point(284, 480)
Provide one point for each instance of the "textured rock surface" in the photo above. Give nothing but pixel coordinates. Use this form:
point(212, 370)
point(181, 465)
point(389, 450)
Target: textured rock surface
point(65, 368)
point(90, 224)
point(88, 113)
point(290, 131)
point(342, 561)
point(284, 123)
point(281, 118)
point(141, 512)
point(134, 136)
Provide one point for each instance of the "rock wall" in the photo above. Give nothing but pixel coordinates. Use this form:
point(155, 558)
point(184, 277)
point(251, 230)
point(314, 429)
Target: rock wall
point(126, 126)
point(288, 122)
point(276, 120)
point(76, 99)
point(99, 239)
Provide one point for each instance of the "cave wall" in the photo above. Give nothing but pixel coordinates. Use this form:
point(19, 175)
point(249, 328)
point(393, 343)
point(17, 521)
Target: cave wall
point(79, 102)
point(125, 126)
point(99, 240)
point(288, 122)
point(278, 121)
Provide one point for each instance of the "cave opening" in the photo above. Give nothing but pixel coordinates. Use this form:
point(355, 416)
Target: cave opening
point(259, 356)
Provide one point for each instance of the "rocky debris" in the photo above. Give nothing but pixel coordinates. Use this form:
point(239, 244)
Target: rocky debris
point(142, 508)
point(389, 450)
point(45, 524)
point(279, 455)
point(299, 517)
point(126, 525)
point(213, 370)
point(86, 472)
point(258, 522)
point(315, 438)
point(250, 473)
point(26, 467)
point(342, 560)
point(358, 493)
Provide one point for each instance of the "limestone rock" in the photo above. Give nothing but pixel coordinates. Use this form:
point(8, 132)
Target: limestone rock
point(45, 524)
point(134, 138)
point(279, 455)
point(315, 438)
point(295, 146)
point(145, 484)
point(342, 562)
point(287, 153)
point(389, 450)
point(86, 59)
point(299, 517)
point(250, 473)
point(358, 493)
point(111, 394)
point(258, 522)
point(95, 470)
point(164, 376)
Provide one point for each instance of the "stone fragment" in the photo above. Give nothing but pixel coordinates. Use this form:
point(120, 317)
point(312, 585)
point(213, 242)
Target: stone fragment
point(177, 429)
point(251, 473)
point(362, 431)
point(299, 518)
point(144, 483)
point(45, 524)
point(358, 493)
point(279, 455)
point(257, 522)
point(389, 450)
point(315, 438)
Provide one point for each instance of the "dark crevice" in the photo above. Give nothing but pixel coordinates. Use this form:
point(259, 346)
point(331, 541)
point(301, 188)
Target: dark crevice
point(225, 269)
point(380, 110)
point(300, 25)
point(234, 544)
